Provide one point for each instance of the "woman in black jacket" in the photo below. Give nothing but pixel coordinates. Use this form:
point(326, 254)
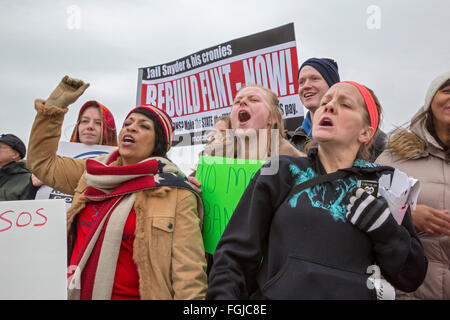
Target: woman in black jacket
point(319, 242)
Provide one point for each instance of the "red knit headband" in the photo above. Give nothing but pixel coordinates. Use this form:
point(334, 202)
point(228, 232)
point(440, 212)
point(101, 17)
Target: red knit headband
point(370, 103)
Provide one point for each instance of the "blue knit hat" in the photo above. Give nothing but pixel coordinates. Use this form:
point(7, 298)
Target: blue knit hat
point(328, 68)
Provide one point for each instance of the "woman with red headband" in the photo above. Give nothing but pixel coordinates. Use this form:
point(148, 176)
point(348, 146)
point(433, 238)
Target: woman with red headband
point(309, 231)
point(134, 224)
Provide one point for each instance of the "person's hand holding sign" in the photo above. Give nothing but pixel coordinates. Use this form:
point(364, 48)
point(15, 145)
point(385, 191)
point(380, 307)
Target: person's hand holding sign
point(67, 92)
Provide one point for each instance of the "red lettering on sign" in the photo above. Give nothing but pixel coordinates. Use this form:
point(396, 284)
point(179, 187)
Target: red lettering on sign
point(23, 219)
point(4, 219)
point(18, 218)
point(40, 214)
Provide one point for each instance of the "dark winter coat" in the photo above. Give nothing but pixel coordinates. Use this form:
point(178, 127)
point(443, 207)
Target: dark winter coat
point(15, 182)
point(302, 246)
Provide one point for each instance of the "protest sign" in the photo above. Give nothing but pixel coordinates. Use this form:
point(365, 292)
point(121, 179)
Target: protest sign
point(399, 193)
point(223, 181)
point(77, 151)
point(33, 246)
point(197, 89)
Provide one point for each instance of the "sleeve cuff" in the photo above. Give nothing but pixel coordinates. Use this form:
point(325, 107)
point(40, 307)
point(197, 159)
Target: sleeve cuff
point(389, 232)
point(51, 111)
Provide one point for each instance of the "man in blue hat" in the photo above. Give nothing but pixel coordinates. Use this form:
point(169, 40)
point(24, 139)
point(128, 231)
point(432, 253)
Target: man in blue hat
point(15, 178)
point(315, 77)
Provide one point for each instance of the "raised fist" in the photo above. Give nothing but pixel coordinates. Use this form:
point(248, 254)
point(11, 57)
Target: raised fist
point(67, 92)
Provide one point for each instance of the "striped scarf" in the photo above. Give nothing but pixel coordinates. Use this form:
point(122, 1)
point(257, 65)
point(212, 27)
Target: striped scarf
point(116, 186)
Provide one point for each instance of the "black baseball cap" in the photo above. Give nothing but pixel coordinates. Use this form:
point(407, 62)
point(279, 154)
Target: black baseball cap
point(15, 143)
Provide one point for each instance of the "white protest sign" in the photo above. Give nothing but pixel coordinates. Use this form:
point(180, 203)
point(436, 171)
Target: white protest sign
point(77, 151)
point(33, 246)
point(400, 193)
point(197, 89)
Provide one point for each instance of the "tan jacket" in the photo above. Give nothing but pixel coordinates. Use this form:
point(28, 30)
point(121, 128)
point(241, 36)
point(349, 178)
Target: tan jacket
point(168, 248)
point(430, 167)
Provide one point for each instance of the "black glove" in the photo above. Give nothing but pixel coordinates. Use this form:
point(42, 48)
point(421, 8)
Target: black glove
point(365, 211)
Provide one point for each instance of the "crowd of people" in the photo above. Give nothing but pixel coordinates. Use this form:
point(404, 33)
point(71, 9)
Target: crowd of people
point(308, 231)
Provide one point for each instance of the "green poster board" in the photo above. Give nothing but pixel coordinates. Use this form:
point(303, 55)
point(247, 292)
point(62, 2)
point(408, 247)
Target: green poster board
point(223, 181)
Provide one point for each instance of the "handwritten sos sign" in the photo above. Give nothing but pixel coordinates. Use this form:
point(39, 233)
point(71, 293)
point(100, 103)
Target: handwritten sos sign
point(33, 246)
point(12, 218)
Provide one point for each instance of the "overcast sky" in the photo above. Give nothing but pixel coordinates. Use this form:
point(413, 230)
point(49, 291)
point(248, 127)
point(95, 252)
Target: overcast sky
point(40, 43)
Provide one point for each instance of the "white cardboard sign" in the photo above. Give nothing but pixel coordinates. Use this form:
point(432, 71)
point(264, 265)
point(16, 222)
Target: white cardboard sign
point(400, 193)
point(33, 250)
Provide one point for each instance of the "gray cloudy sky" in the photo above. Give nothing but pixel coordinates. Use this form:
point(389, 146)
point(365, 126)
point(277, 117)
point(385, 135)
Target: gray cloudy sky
point(115, 38)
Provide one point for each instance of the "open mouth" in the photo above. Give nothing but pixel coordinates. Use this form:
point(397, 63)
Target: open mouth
point(326, 122)
point(244, 116)
point(308, 94)
point(127, 139)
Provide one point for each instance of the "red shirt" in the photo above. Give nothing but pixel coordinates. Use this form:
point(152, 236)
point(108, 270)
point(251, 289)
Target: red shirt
point(126, 279)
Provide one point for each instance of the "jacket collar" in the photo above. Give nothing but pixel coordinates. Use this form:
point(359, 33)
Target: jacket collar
point(307, 125)
point(14, 168)
point(359, 166)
